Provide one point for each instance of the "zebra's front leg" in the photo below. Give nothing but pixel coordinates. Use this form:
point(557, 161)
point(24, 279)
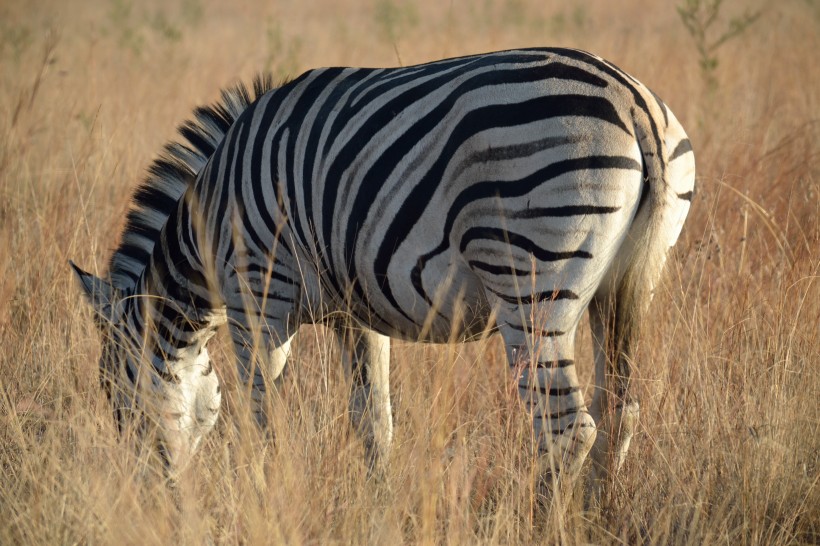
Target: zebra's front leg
point(548, 385)
point(261, 355)
point(366, 359)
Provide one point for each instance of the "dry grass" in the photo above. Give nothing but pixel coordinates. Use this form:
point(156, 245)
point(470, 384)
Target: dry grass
point(730, 434)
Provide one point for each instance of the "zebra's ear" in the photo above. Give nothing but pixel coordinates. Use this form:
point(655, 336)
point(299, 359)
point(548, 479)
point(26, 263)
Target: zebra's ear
point(98, 292)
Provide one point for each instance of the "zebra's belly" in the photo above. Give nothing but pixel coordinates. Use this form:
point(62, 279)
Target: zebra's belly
point(459, 311)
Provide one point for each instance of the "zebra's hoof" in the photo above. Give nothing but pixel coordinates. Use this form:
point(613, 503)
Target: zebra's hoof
point(565, 455)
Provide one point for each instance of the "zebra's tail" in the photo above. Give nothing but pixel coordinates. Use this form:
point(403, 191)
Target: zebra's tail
point(616, 314)
point(647, 245)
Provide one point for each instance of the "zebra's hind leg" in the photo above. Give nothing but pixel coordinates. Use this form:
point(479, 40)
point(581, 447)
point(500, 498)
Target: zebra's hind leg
point(366, 359)
point(613, 407)
point(548, 385)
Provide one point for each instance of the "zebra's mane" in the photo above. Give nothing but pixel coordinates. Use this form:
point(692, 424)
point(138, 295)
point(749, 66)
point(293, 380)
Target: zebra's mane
point(171, 174)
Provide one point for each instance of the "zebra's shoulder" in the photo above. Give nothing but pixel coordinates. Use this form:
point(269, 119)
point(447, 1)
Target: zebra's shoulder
point(172, 173)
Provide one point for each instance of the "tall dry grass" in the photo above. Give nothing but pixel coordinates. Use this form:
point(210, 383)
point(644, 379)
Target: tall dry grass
point(728, 369)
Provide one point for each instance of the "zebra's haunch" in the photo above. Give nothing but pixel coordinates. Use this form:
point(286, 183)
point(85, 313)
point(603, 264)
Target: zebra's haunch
point(503, 192)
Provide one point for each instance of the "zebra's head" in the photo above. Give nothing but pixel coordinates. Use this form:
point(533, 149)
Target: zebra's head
point(120, 347)
point(181, 401)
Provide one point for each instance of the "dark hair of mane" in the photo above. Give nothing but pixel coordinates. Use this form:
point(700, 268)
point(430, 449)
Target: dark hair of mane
point(170, 175)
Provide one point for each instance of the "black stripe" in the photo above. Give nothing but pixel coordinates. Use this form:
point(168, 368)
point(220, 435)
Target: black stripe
point(560, 414)
point(686, 196)
point(561, 431)
point(256, 180)
point(214, 180)
point(266, 275)
point(496, 269)
point(557, 363)
point(538, 297)
point(515, 151)
point(683, 147)
point(262, 295)
point(235, 148)
point(129, 372)
point(516, 240)
point(201, 200)
point(555, 391)
point(563, 391)
point(171, 314)
point(564, 211)
point(662, 107)
point(536, 331)
point(188, 232)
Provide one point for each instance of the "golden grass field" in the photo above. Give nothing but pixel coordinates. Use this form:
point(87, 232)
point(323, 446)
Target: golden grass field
point(728, 450)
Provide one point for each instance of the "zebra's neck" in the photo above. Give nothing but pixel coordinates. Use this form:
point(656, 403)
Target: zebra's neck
point(172, 306)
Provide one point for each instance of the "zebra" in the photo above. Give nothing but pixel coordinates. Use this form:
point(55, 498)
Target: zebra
point(506, 192)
